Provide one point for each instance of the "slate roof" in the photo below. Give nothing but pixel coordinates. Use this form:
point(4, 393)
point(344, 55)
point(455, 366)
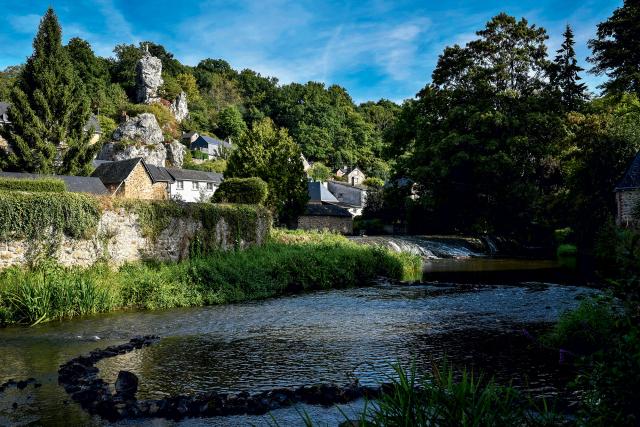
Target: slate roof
point(631, 178)
point(193, 175)
point(320, 193)
point(325, 209)
point(356, 186)
point(159, 174)
point(74, 184)
point(214, 141)
point(116, 172)
point(4, 112)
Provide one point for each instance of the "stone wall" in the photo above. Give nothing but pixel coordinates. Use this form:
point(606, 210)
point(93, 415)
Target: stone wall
point(342, 225)
point(119, 239)
point(626, 203)
point(138, 185)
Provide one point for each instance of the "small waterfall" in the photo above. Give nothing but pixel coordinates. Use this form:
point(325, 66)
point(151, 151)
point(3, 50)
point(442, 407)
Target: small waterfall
point(491, 245)
point(428, 247)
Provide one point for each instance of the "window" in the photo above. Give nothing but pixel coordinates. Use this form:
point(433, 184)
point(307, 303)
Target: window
point(209, 185)
point(194, 185)
point(180, 185)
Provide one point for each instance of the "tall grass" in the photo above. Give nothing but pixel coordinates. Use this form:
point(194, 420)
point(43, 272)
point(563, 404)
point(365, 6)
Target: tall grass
point(447, 398)
point(289, 262)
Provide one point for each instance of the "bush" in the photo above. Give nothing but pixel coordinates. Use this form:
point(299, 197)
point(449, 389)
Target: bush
point(242, 190)
point(567, 255)
point(28, 215)
point(373, 182)
point(51, 185)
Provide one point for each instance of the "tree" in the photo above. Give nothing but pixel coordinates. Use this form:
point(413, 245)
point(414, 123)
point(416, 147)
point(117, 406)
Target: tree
point(48, 111)
point(320, 172)
point(565, 75)
point(616, 49)
point(269, 153)
point(230, 124)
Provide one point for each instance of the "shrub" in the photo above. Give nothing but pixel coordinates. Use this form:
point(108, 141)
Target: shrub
point(242, 190)
point(52, 185)
point(373, 182)
point(28, 215)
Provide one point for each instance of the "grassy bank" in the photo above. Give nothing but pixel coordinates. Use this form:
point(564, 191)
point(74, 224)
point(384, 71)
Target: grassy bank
point(289, 262)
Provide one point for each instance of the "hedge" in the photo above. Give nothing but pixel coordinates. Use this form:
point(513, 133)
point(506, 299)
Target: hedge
point(28, 215)
point(242, 190)
point(52, 185)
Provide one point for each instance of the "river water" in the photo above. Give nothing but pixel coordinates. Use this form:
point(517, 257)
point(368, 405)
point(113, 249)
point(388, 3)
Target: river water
point(322, 337)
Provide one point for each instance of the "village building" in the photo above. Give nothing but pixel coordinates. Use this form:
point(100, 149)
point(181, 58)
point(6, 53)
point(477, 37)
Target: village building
point(93, 126)
point(73, 184)
point(628, 194)
point(134, 179)
point(4, 121)
point(189, 138)
point(323, 213)
point(212, 147)
point(191, 185)
point(353, 176)
point(350, 197)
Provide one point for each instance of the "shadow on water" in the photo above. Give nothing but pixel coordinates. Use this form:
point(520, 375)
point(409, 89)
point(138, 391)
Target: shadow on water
point(322, 337)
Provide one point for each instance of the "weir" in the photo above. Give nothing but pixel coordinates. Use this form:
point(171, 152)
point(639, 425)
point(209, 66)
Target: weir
point(433, 247)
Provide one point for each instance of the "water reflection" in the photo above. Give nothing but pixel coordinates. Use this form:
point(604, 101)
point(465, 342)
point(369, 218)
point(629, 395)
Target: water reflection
point(330, 336)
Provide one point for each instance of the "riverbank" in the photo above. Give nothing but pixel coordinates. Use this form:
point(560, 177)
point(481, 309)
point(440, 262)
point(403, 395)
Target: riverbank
point(290, 262)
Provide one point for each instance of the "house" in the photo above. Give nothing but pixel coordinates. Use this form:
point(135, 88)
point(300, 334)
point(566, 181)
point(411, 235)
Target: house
point(4, 120)
point(351, 197)
point(213, 147)
point(628, 194)
point(353, 176)
point(74, 184)
point(323, 213)
point(191, 185)
point(93, 126)
point(305, 164)
point(189, 138)
point(134, 179)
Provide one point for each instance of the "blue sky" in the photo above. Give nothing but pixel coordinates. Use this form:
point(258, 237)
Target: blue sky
point(375, 49)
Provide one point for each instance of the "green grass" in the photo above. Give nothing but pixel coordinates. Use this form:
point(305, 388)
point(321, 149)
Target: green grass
point(289, 262)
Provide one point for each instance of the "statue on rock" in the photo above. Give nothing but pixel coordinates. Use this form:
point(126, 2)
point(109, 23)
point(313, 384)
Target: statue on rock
point(148, 78)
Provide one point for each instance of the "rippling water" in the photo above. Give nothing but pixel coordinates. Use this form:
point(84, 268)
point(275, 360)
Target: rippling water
point(331, 336)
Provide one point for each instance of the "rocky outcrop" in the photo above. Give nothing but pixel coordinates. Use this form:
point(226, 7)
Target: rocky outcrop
point(138, 136)
point(148, 78)
point(179, 107)
point(175, 154)
point(142, 128)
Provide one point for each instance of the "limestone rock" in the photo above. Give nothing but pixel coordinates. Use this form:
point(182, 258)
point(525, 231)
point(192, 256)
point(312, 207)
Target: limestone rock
point(148, 78)
point(142, 128)
point(152, 154)
point(179, 107)
point(175, 153)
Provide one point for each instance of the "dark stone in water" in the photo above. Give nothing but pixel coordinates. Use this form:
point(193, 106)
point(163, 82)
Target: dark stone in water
point(126, 384)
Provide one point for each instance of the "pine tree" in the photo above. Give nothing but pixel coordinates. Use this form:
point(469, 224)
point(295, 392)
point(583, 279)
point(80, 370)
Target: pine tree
point(48, 111)
point(565, 74)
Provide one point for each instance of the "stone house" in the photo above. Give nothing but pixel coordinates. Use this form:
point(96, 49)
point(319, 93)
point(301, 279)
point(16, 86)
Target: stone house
point(323, 213)
point(74, 184)
point(134, 179)
point(191, 185)
point(353, 176)
point(189, 138)
point(4, 121)
point(628, 194)
point(213, 147)
point(351, 197)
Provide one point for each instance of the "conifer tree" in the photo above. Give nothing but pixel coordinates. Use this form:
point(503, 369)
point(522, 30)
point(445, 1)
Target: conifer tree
point(565, 74)
point(49, 110)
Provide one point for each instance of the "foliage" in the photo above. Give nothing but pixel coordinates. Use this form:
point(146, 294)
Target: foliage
point(373, 182)
point(269, 153)
point(319, 172)
point(48, 111)
point(52, 185)
point(447, 398)
point(7, 80)
point(322, 261)
point(108, 126)
point(615, 50)
point(565, 75)
point(242, 190)
point(31, 215)
point(231, 126)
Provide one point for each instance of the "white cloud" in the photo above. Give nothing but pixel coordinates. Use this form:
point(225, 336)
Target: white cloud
point(25, 24)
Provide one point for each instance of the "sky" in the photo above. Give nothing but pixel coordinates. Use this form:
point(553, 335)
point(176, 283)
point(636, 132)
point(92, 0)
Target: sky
point(375, 49)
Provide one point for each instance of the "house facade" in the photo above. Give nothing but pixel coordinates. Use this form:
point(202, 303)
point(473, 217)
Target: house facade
point(134, 179)
point(353, 176)
point(193, 186)
point(323, 211)
point(4, 121)
point(212, 147)
point(627, 193)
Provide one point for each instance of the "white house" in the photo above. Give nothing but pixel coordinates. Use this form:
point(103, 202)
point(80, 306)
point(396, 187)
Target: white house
point(192, 185)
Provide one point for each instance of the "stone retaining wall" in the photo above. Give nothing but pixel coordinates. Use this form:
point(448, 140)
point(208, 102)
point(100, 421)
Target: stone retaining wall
point(119, 239)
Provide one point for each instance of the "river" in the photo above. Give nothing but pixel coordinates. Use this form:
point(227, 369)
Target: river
point(321, 337)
